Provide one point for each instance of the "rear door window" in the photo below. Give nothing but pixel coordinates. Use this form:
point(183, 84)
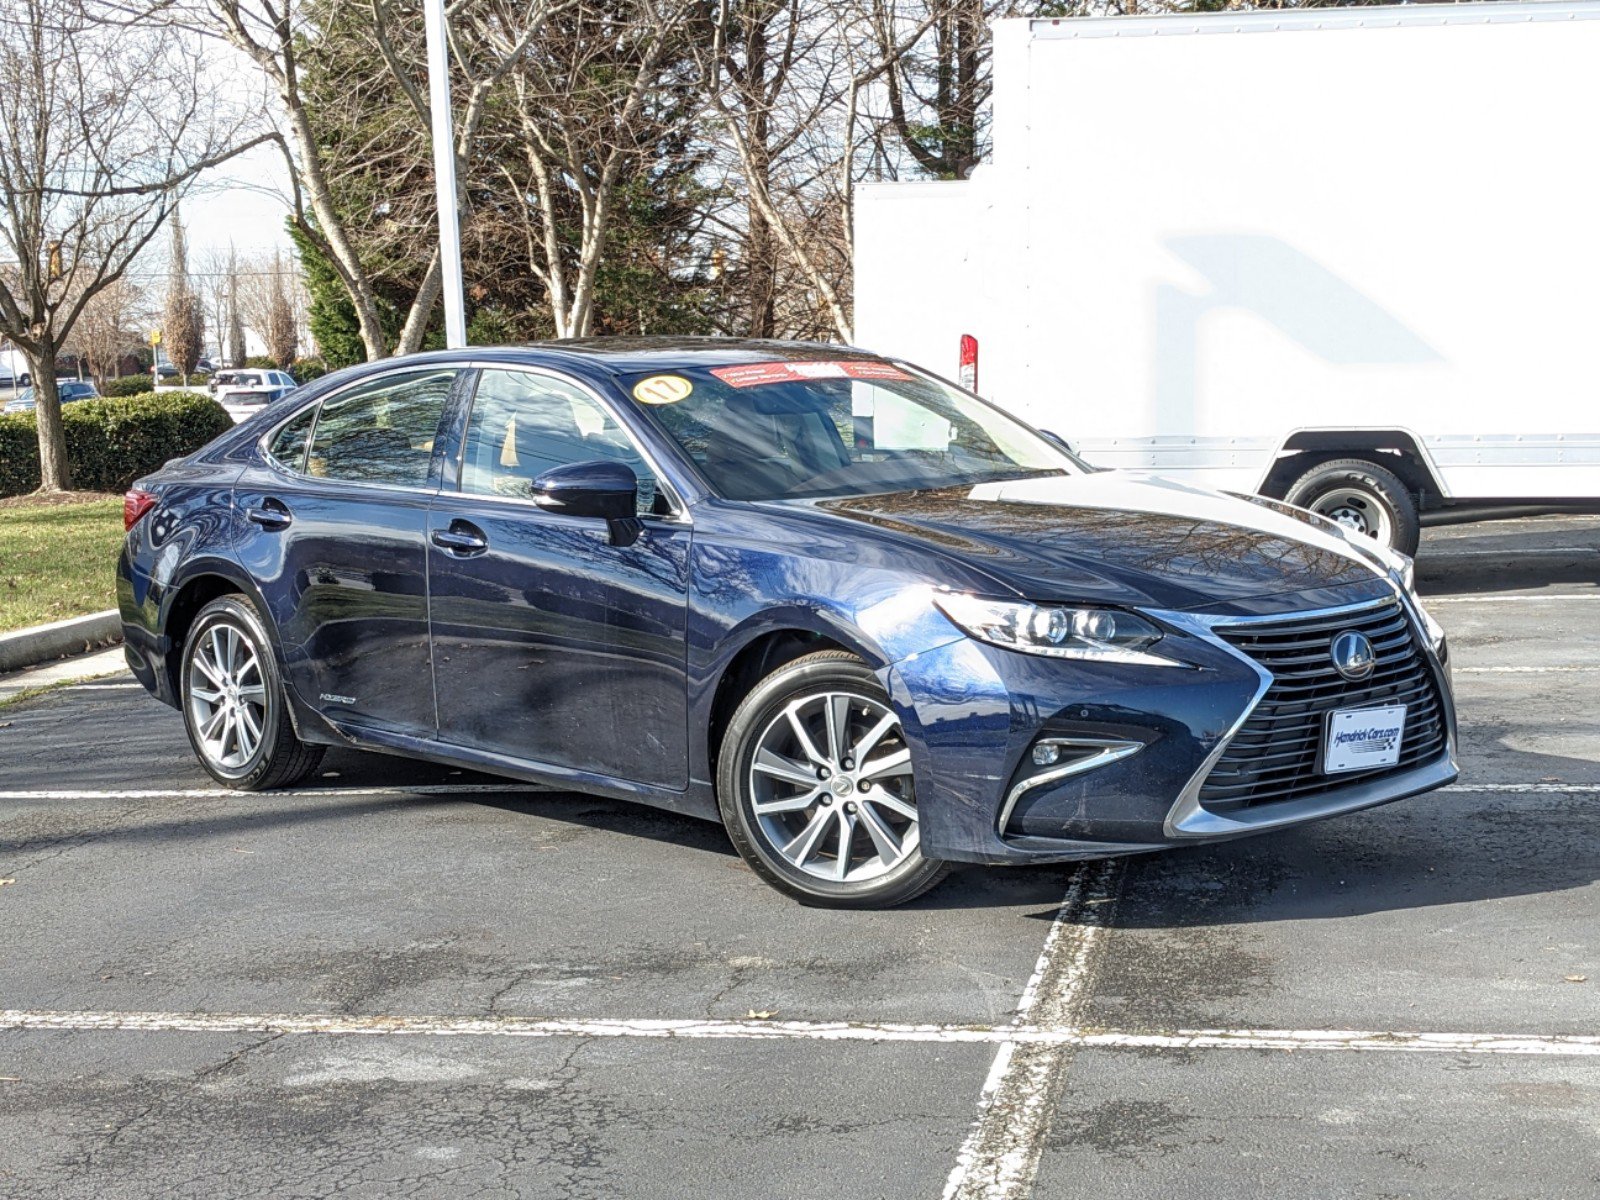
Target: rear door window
point(288, 446)
point(381, 432)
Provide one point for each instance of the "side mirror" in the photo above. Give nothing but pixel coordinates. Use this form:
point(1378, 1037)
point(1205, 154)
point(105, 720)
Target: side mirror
point(608, 490)
point(1056, 440)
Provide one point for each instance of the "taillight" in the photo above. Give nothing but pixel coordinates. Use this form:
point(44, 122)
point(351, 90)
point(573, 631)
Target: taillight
point(134, 506)
point(969, 363)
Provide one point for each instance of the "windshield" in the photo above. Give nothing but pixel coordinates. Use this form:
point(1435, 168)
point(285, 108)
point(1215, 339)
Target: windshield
point(798, 429)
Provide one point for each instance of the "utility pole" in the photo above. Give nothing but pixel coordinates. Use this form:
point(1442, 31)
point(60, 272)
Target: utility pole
point(444, 173)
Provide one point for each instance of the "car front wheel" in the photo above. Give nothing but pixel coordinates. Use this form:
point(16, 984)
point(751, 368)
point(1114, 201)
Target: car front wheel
point(233, 702)
point(816, 787)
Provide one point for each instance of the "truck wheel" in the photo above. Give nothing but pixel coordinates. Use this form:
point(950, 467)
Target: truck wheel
point(1363, 497)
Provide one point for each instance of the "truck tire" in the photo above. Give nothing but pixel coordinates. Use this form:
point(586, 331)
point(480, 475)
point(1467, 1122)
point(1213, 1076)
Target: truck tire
point(1363, 497)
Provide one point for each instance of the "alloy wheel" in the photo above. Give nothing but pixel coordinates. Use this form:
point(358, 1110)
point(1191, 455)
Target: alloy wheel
point(227, 697)
point(831, 787)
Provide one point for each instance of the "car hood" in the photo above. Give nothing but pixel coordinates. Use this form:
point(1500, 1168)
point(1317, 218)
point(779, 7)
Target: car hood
point(1118, 537)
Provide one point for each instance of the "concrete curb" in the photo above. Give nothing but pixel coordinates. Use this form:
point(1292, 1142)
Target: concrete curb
point(30, 647)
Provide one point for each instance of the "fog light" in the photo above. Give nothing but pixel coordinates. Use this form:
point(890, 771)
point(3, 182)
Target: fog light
point(1046, 754)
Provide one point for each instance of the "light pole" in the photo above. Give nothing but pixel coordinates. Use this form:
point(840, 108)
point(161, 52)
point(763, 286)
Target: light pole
point(444, 173)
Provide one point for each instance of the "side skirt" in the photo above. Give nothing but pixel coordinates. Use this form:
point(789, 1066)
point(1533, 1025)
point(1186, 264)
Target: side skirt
point(696, 801)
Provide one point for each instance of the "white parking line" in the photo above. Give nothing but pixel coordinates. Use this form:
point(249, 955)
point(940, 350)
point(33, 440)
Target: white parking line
point(1578, 1045)
point(1558, 789)
point(1519, 598)
point(346, 1025)
point(1001, 1153)
point(419, 789)
point(1499, 554)
point(1523, 670)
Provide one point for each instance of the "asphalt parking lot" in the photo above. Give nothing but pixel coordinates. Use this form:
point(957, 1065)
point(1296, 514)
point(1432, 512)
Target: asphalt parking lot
point(409, 981)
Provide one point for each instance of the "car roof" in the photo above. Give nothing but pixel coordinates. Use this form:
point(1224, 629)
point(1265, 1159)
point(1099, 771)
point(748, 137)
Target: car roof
point(625, 355)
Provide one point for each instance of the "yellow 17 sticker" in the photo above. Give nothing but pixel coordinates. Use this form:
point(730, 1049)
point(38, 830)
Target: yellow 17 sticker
point(662, 389)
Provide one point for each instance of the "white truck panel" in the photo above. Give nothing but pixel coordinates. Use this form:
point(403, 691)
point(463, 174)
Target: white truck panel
point(1200, 235)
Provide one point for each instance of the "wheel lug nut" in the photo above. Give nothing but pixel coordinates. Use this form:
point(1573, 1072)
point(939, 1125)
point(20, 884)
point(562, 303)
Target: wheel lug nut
point(827, 802)
point(823, 773)
point(849, 764)
point(849, 808)
point(866, 785)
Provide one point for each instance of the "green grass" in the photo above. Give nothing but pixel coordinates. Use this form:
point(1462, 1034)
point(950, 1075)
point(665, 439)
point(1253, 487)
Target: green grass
point(57, 560)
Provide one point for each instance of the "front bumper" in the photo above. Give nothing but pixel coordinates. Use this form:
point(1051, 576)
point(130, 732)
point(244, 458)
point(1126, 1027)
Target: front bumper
point(973, 713)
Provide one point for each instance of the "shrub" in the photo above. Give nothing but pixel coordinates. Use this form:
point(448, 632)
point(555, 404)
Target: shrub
point(260, 362)
point(113, 441)
point(305, 370)
point(128, 385)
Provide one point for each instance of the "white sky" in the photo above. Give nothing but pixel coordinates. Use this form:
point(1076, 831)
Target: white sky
point(242, 202)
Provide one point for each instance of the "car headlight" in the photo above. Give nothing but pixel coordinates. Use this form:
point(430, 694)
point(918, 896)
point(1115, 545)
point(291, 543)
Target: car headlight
point(1087, 634)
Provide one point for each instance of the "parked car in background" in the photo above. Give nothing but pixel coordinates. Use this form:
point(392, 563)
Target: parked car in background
point(247, 379)
point(68, 389)
point(866, 620)
point(244, 392)
point(246, 402)
point(166, 371)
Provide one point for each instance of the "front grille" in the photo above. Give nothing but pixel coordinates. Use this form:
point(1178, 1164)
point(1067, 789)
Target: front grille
point(1277, 753)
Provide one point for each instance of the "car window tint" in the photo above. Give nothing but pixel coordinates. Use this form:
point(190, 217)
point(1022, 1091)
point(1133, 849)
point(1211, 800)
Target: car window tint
point(382, 432)
point(524, 424)
point(288, 445)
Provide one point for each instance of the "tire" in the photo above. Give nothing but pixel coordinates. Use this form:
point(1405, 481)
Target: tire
point(229, 656)
point(1364, 498)
point(784, 817)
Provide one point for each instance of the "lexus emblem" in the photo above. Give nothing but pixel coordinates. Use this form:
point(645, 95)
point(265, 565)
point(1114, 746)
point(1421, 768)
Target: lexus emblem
point(1352, 655)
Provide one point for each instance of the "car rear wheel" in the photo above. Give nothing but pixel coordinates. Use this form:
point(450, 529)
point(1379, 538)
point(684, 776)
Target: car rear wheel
point(233, 703)
point(816, 787)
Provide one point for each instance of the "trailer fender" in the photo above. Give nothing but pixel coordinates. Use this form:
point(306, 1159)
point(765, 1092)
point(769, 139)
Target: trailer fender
point(1398, 449)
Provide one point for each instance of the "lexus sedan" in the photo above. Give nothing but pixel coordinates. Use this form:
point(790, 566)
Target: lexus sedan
point(867, 621)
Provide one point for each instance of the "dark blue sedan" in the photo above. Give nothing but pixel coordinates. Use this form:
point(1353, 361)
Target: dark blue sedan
point(867, 621)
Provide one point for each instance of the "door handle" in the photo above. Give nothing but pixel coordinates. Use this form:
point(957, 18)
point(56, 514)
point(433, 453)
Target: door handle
point(462, 538)
point(270, 514)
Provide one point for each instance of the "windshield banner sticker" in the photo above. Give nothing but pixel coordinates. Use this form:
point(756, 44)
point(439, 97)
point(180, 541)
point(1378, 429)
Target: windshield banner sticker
point(755, 374)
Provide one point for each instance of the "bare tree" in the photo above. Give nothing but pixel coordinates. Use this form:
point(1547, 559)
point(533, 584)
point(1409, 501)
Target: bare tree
point(101, 130)
point(183, 321)
point(238, 350)
point(938, 83)
point(275, 36)
point(109, 327)
point(282, 333)
point(589, 102)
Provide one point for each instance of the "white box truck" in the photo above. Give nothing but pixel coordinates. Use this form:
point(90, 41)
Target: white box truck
point(1347, 257)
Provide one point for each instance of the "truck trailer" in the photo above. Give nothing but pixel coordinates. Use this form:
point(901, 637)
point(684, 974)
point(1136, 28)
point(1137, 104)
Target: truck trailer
point(1349, 257)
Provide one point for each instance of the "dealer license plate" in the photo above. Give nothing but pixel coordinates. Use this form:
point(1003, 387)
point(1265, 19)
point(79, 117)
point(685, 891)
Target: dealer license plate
point(1359, 739)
